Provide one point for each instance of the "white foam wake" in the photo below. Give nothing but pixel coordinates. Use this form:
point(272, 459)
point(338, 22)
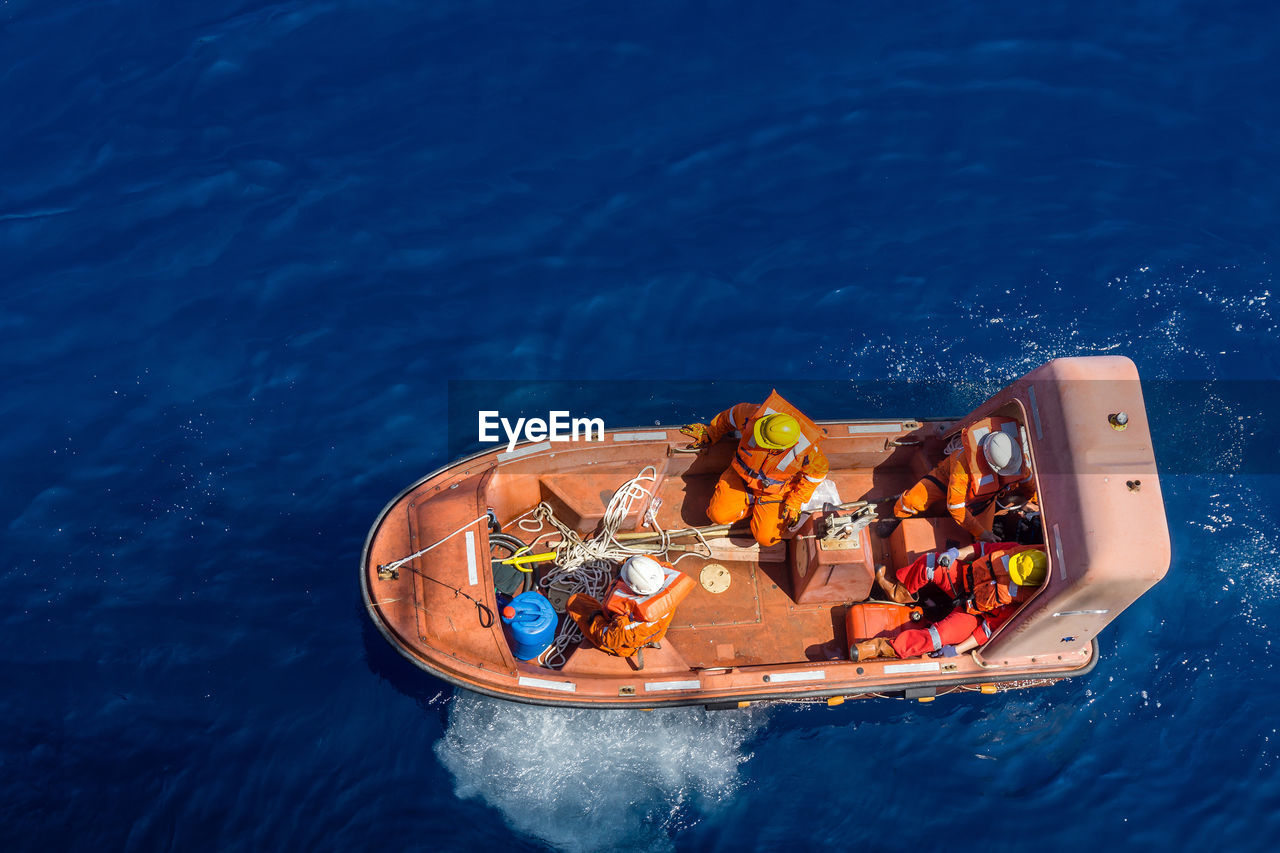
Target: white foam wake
point(592, 780)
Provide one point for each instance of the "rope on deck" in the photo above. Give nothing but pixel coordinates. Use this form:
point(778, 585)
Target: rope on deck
point(589, 565)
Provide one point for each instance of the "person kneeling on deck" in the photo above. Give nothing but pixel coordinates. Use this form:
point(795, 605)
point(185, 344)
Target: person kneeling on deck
point(775, 469)
point(987, 467)
point(637, 609)
point(988, 582)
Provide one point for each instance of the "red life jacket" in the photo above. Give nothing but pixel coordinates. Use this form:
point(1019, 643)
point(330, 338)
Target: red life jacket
point(766, 471)
point(623, 600)
point(983, 480)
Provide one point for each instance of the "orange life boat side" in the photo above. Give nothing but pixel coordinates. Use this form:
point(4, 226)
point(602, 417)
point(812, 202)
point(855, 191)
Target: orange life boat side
point(755, 641)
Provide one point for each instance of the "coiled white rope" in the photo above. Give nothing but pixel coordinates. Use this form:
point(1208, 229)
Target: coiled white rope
point(590, 565)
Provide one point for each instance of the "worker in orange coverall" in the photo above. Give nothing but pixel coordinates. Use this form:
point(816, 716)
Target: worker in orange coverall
point(775, 469)
point(621, 633)
point(988, 464)
point(989, 583)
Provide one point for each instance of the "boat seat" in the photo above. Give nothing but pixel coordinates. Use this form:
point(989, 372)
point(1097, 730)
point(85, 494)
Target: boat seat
point(916, 536)
point(586, 660)
point(580, 499)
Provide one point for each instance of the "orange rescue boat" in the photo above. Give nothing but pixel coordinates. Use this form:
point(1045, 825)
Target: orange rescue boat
point(774, 623)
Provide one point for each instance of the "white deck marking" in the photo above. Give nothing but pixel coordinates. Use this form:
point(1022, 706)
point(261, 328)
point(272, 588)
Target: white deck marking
point(913, 667)
point(653, 686)
point(567, 686)
point(783, 677)
point(859, 429)
point(472, 576)
point(524, 451)
point(639, 436)
point(1083, 613)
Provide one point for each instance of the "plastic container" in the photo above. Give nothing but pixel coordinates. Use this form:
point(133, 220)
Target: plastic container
point(530, 624)
point(878, 619)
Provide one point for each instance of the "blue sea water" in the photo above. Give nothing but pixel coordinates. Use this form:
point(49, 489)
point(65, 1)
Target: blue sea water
point(245, 246)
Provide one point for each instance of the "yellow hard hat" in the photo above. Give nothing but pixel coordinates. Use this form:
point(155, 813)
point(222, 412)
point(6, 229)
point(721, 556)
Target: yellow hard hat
point(1029, 568)
point(777, 432)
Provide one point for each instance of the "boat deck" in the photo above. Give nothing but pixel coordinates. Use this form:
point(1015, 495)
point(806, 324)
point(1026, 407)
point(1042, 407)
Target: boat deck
point(756, 620)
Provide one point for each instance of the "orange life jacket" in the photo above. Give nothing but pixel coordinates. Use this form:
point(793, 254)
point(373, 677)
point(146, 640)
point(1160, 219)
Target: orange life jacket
point(983, 480)
point(623, 600)
point(766, 471)
point(987, 583)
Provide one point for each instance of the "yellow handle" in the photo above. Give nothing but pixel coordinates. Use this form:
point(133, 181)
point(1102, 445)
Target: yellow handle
point(519, 559)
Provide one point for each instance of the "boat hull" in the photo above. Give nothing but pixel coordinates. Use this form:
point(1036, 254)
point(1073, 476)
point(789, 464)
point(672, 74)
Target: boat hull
point(457, 648)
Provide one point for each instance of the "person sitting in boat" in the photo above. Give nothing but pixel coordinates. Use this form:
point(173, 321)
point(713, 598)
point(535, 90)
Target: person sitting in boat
point(775, 469)
point(637, 610)
point(988, 581)
point(987, 469)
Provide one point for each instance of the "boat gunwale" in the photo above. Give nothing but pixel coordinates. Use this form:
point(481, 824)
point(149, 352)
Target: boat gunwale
point(700, 697)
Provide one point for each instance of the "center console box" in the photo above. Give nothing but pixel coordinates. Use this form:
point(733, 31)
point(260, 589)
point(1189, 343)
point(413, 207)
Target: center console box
point(831, 569)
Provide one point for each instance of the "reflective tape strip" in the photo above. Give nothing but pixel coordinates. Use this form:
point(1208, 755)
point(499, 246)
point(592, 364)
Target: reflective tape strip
point(986, 480)
point(566, 686)
point(861, 429)
point(1013, 589)
point(782, 677)
point(1035, 412)
point(912, 667)
point(955, 506)
point(524, 451)
point(1057, 549)
point(814, 479)
point(986, 629)
point(1004, 560)
point(655, 686)
point(801, 445)
point(1010, 429)
point(639, 436)
point(936, 637)
point(978, 434)
point(930, 565)
point(473, 577)
point(788, 459)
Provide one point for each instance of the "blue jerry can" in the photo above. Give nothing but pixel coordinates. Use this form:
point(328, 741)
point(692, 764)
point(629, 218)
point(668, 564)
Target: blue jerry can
point(530, 624)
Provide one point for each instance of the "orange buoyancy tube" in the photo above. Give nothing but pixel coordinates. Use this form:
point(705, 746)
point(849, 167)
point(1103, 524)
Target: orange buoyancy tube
point(987, 583)
point(624, 601)
point(768, 472)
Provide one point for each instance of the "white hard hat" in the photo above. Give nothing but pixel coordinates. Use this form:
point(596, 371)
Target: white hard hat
point(643, 574)
point(1003, 453)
